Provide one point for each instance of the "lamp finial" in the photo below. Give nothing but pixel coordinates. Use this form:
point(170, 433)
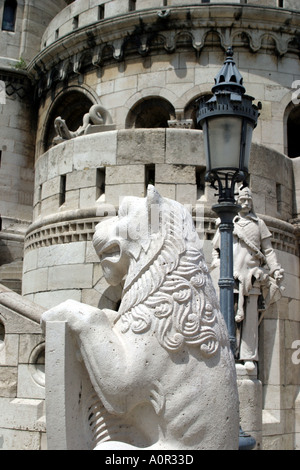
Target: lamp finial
point(229, 52)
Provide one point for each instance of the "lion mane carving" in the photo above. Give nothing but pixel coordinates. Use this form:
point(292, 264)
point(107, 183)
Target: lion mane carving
point(165, 286)
point(161, 365)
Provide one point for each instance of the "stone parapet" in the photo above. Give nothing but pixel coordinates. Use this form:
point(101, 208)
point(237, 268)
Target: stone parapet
point(121, 162)
point(77, 16)
point(122, 159)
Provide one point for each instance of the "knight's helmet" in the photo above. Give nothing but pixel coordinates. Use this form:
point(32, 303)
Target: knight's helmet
point(245, 192)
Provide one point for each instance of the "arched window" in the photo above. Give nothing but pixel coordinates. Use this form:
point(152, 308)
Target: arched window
point(293, 126)
point(190, 110)
point(152, 112)
point(2, 335)
point(9, 15)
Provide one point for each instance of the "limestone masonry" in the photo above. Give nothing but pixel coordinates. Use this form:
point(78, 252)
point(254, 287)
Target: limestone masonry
point(123, 77)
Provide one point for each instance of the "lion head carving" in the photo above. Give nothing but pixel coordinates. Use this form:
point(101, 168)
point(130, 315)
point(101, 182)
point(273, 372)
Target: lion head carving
point(154, 246)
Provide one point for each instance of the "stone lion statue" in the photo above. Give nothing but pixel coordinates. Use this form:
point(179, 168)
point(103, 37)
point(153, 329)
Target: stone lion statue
point(161, 365)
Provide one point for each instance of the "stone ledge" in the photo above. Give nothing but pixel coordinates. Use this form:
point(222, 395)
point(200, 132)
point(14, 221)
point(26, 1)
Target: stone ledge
point(68, 232)
point(22, 414)
point(71, 231)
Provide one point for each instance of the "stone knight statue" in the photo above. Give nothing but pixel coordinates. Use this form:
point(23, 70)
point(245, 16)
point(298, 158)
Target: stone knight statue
point(257, 275)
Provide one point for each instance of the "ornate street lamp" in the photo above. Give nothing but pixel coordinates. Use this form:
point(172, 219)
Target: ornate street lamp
point(228, 120)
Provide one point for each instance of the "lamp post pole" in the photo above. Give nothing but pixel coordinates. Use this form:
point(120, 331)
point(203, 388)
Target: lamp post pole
point(226, 212)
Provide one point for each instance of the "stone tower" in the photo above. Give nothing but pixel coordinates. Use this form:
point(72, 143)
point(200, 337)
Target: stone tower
point(145, 62)
point(22, 25)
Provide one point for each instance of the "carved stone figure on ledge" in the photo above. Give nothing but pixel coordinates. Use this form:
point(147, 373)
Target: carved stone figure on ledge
point(98, 119)
point(257, 274)
point(161, 365)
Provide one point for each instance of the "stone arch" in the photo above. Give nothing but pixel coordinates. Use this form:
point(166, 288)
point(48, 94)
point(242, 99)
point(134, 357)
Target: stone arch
point(270, 43)
point(194, 93)
point(213, 40)
point(71, 105)
point(190, 110)
point(241, 39)
point(150, 112)
point(9, 15)
point(184, 38)
point(2, 335)
point(184, 106)
point(282, 109)
point(288, 110)
point(292, 125)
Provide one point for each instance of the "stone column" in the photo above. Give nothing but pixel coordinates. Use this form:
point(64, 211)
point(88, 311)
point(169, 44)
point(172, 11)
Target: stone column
point(250, 396)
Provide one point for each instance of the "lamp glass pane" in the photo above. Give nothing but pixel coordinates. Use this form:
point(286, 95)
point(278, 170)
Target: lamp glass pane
point(206, 144)
point(224, 141)
point(249, 132)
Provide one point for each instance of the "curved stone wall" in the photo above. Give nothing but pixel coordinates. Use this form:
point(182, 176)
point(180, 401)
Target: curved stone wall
point(82, 13)
point(61, 236)
point(122, 158)
point(141, 56)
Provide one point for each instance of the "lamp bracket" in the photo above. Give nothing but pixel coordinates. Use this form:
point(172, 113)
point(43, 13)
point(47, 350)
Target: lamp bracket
point(225, 183)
